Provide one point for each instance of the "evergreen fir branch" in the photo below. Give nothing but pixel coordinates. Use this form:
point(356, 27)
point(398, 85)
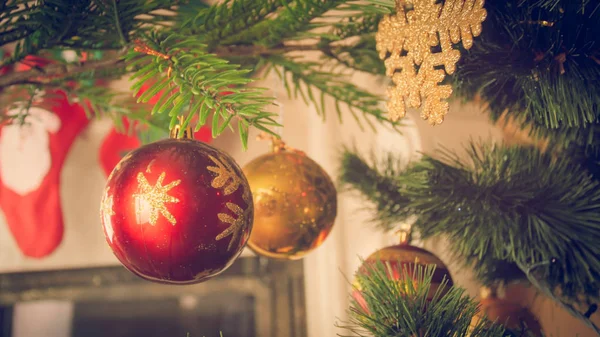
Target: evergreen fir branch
point(11, 12)
point(377, 183)
point(304, 77)
point(90, 24)
point(97, 102)
point(21, 99)
point(360, 55)
point(101, 102)
point(225, 22)
point(356, 25)
point(55, 72)
point(293, 20)
point(401, 308)
point(322, 16)
point(200, 80)
point(509, 204)
point(538, 61)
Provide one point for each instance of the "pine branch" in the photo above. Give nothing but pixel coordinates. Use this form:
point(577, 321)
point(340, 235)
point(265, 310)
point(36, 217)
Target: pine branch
point(377, 183)
point(123, 22)
point(228, 21)
point(509, 204)
point(21, 99)
point(400, 307)
point(539, 61)
point(360, 55)
point(304, 77)
point(237, 51)
point(88, 24)
point(182, 63)
point(55, 72)
point(293, 18)
point(356, 25)
point(101, 101)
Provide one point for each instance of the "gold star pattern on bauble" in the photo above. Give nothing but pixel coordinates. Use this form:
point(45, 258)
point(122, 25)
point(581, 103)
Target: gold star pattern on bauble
point(226, 177)
point(228, 181)
point(155, 197)
point(237, 224)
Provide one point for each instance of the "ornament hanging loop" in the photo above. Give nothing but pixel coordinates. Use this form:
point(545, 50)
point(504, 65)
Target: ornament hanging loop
point(278, 145)
point(404, 235)
point(178, 133)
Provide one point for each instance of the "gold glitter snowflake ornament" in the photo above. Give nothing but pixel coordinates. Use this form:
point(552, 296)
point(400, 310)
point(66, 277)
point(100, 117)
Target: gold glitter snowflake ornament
point(416, 43)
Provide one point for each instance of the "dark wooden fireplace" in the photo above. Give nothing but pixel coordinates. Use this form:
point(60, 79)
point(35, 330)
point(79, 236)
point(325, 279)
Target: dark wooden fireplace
point(253, 298)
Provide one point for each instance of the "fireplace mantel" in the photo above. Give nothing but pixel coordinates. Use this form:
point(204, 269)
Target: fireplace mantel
point(276, 289)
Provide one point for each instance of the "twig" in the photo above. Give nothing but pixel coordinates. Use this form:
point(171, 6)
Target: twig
point(54, 71)
point(572, 310)
point(118, 22)
point(233, 50)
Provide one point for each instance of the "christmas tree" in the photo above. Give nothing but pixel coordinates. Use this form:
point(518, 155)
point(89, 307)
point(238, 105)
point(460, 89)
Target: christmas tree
point(525, 212)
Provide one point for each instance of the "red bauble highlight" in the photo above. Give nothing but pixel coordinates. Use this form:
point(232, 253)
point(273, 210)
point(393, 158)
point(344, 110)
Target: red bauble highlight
point(177, 211)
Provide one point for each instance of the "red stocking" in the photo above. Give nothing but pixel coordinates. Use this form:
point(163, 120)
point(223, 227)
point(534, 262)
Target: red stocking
point(114, 146)
point(31, 158)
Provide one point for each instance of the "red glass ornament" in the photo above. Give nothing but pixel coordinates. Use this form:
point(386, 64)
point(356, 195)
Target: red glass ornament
point(177, 211)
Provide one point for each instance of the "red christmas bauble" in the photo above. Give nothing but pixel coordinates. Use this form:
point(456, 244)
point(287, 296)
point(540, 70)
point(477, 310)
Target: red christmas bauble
point(177, 211)
point(400, 259)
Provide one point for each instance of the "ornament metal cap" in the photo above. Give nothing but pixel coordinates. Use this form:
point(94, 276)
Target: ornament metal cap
point(405, 236)
point(491, 291)
point(277, 144)
point(175, 131)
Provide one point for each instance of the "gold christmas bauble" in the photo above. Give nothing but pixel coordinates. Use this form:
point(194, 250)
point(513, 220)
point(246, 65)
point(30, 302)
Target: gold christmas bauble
point(295, 204)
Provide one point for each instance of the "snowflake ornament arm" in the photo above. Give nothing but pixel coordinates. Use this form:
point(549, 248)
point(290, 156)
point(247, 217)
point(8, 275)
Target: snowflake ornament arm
point(406, 40)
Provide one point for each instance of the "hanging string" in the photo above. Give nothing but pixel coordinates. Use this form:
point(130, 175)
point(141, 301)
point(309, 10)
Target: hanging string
point(278, 84)
point(277, 143)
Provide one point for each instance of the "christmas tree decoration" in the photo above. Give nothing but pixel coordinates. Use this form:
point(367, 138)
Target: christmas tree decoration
point(512, 316)
point(295, 203)
point(399, 260)
point(177, 211)
point(404, 308)
point(415, 43)
point(31, 160)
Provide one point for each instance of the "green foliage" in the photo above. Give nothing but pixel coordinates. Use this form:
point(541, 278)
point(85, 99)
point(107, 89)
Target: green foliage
point(193, 83)
point(294, 18)
point(509, 204)
point(101, 102)
point(228, 21)
point(21, 100)
point(87, 25)
point(303, 76)
point(360, 55)
point(400, 307)
point(516, 64)
point(197, 52)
